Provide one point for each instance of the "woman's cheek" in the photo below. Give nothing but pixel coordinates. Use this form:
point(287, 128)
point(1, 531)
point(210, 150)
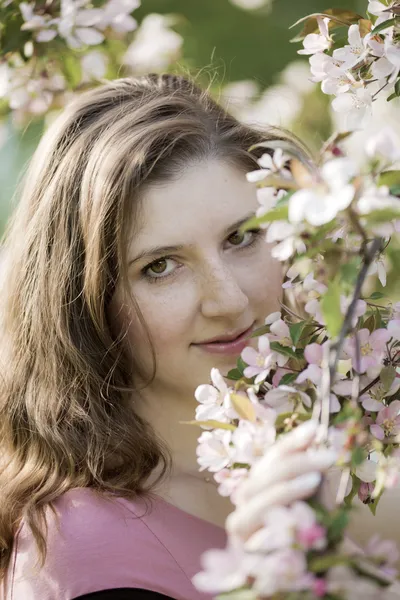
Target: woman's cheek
point(167, 310)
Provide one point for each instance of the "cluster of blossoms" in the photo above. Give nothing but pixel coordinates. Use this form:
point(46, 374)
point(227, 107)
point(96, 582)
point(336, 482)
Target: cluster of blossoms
point(66, 46)
point(336, 359)
point(367, 64)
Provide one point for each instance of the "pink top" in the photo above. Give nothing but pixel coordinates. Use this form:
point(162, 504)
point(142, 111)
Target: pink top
point(104, 545)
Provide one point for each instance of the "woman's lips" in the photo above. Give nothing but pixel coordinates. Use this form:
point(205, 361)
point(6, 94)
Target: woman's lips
point(233, 347)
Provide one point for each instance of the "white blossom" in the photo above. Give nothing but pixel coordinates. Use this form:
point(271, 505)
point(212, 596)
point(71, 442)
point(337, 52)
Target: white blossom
point(355, 51)
point(320, 204)
point(317, 42)
point(155, 45)
point(77, 24)
point(356, 106)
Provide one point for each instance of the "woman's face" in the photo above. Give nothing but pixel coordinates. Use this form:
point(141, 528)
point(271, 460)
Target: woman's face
point(196, 278)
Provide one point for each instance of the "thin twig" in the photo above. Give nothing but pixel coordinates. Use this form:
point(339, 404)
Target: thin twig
point(336, 349)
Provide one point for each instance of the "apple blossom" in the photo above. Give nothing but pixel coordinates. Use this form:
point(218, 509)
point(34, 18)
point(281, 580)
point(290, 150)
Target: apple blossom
point(287, 235)
point(116, 14)
point(223, 570)
point(365, 491)
point(213, 450)
point(367, 471)
point(319, 205)
point(285, 398)
point(229, 480)
point(259, 362)
point(214, 400)
point(356, 107)
point(268, 198)
point(77, 24)
point(317, 42)
point(282, 571)
point(355, 51)
point(387, 422)
point(250, 440)
point(155, 45)
point(40, 24)
point(372, 350)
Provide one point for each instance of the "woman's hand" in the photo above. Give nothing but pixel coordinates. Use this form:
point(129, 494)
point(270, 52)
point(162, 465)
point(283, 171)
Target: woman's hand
point(289, 471)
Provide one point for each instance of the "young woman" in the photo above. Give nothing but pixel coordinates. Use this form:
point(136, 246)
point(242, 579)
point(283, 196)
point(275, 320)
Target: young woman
point(126, 280)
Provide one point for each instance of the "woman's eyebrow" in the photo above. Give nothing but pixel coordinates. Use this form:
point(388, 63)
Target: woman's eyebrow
point(161, 250)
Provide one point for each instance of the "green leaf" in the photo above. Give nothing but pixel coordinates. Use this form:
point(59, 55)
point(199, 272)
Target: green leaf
point(387, 376)
point(376, 296)
point(330, 305)
point(395, 190)
point(280, 213)
point(241, 365)
point(373, 504)
point(382, 216)
point(357, 456)
point(389, 178)
point(296, 330)
point(338, 18)
point(384, 25)
point(285, 350)
point(323, 563)
point(338, 524)
point(396, 92)
point(356, 482)
point(288, 378)
point(349, 271)
point(234, 374)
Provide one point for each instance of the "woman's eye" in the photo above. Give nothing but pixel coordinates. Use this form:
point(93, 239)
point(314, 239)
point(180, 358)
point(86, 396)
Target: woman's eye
point(244, 238)
point(158, 268)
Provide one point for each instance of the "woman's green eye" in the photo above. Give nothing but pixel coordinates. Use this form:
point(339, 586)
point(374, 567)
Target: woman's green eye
point(159, 266)
point(236, 238)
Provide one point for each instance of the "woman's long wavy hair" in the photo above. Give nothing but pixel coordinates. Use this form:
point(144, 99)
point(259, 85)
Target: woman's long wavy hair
point(67, 418)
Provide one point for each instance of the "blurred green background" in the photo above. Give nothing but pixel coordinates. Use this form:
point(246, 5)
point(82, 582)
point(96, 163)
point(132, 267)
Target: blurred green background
point(229, 42)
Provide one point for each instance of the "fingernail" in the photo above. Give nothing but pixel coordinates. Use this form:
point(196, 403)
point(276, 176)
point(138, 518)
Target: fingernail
point(307, 482)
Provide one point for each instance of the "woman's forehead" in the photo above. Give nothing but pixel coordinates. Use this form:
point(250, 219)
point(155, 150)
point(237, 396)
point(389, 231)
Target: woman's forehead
point(206, 199)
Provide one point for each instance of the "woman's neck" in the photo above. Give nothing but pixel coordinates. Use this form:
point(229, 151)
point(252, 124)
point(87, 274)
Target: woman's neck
point(187, 488)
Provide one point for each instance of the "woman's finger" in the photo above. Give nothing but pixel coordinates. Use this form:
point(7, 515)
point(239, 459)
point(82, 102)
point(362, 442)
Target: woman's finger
point(288, 468)
point(246, 519)
point(295, 441)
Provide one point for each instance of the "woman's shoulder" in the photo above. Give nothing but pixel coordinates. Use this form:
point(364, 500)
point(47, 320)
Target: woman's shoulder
point(96, 542)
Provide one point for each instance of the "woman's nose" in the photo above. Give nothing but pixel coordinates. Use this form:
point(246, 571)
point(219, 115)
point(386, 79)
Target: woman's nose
point(222, 294)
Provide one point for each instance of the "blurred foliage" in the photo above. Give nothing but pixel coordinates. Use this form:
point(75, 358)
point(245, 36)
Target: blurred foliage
point(219, 39)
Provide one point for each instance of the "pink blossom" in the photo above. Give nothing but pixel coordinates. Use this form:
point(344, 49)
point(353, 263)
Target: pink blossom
point(394, 329)
point(313, 353)
point(280, 333)
point(387, 421)
point(364, 491)
point(372, 350)
point(260, 362)
point(309, 533)
point(287, 526)
point(320, 587)
point(285, 398)
point(312, 537)
point(284, 570)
